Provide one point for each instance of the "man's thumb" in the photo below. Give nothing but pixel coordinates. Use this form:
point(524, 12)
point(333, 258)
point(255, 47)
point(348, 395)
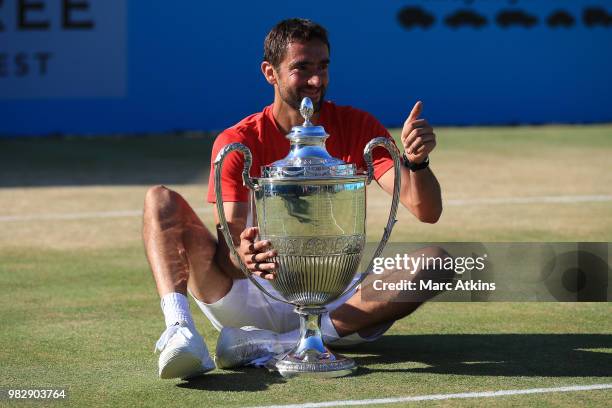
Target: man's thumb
point(416, 111)
point(249, 233)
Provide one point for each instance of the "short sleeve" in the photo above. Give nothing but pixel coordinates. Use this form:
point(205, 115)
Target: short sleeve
point(233, 189)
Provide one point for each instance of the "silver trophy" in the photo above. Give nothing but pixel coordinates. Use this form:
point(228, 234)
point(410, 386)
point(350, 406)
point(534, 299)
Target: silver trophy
point(312, 208)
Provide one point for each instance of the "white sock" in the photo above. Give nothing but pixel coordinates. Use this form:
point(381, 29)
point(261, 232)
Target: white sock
point(176, 309)
point(328, 332)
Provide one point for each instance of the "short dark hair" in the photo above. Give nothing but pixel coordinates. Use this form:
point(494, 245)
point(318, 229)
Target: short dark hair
point(291, 30)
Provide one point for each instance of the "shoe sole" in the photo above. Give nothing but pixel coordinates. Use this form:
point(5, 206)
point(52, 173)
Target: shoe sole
point(180, 364)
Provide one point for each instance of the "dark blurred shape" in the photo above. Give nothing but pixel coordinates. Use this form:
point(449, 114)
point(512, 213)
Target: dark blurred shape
point(593, 16)
point(1, 23)
point(466, 18)
point(560, 18)
point(410, 17)
point(580, 276)
point(507, 18)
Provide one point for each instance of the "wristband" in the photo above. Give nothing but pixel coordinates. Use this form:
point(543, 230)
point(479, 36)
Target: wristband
point(415, 166)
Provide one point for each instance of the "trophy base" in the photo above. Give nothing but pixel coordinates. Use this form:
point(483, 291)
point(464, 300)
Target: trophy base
point(310, 357)
point(324, 367)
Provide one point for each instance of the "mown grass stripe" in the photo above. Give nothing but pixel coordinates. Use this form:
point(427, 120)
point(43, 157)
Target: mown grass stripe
point(485, 394)
point(450, 203)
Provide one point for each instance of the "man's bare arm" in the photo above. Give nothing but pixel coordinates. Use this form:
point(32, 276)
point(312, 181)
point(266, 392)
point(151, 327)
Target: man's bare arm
point(420, 190)
point(254, 254)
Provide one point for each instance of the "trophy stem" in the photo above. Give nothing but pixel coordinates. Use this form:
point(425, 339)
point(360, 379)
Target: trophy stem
point(310, 343)
point(310, 356)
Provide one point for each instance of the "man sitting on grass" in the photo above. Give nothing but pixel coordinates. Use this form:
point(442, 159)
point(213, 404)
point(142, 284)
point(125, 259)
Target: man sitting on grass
point(184, 256)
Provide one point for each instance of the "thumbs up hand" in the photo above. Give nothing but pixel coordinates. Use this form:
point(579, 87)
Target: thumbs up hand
point(418, 137)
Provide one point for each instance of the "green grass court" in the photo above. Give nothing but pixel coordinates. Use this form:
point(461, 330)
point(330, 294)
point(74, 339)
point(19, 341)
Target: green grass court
point(79, 310)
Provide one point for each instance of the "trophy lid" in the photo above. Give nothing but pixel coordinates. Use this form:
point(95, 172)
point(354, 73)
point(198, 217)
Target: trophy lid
point(308, 156)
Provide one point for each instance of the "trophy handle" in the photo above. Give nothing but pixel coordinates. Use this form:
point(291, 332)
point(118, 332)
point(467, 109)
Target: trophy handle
point(246, 179)
point(397, 181)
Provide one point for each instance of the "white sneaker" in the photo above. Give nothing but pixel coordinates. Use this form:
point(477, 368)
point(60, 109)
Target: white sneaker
point(183, 353)
point(239, 347)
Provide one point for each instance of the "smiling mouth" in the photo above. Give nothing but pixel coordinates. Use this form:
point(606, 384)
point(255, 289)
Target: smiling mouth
point(311, 94)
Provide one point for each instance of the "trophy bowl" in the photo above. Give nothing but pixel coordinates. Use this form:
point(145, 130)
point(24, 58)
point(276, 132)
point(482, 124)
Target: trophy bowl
point(312, 208)
point(318, 230)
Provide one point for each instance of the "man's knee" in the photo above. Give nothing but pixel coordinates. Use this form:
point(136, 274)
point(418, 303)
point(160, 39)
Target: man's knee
point(161, 202)
point(438, 265)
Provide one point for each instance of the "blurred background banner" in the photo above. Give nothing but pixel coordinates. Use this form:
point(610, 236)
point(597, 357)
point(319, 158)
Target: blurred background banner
point(111, 66)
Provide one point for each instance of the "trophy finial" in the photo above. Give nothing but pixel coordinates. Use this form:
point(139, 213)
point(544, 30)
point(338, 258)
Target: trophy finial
point(306, 110)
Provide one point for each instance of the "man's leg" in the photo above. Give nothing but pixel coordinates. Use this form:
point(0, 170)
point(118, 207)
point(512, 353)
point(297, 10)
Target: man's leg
point(181, 254)
point(368, 309)
point(180, 249)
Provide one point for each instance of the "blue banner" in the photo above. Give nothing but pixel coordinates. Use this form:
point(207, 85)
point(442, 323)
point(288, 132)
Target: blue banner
point(107, 66)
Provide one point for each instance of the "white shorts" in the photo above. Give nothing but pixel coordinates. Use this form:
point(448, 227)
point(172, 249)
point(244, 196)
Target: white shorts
point(246, 305)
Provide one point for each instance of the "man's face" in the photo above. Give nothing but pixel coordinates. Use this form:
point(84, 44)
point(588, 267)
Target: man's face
point(303, 72)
